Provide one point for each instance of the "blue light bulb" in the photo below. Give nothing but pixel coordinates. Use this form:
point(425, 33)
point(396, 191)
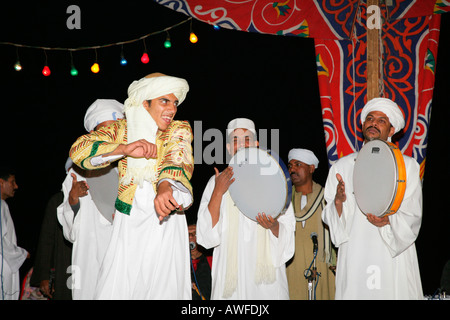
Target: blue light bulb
point(123, 61)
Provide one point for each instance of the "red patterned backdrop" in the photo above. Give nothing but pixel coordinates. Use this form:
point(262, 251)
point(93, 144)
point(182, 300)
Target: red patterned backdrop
point(410, 36)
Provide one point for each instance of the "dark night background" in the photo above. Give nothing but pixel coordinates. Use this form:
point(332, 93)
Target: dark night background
point(270, 79)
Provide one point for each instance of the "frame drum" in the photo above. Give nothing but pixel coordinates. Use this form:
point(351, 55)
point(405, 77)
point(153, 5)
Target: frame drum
point(379, 178)
point(262, 183)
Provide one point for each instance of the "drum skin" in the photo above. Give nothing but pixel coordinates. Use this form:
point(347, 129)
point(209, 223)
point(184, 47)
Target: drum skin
point(379, 178)
point(262, 183)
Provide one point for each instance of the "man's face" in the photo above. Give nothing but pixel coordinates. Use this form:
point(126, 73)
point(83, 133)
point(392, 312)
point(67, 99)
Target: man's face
point(300, 172)
point(192, 233)
point(241, 138)
point(9, 187)
point(377, 126)
point(162, 110)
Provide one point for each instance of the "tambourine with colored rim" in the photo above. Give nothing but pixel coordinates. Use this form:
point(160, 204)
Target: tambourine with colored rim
point(379, 178)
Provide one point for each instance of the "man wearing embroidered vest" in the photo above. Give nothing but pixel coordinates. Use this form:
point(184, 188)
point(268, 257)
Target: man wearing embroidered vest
point(308, 201)
point(249, 257)
point(148, 255)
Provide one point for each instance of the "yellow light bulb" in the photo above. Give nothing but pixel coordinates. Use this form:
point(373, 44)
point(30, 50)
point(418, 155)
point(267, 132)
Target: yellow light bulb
point(95, 68)
point(193, 38)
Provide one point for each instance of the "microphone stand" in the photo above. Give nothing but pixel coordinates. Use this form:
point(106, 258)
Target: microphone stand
point(310, 275)
point(192, 246)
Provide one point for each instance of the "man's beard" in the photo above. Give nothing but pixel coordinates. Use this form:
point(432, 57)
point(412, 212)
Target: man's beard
point(371, 138)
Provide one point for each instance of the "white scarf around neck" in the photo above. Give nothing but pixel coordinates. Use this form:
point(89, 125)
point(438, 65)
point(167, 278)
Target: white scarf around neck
point(141, 125)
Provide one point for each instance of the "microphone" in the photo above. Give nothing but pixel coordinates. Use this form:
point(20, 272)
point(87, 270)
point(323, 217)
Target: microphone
point(192, 245)
point(314, 240)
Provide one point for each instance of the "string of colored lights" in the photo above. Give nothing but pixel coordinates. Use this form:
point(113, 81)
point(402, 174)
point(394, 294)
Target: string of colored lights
point(95, 68)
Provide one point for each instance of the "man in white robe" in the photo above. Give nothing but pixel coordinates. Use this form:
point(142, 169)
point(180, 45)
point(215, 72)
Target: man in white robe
point(377, 257)
point(12, 256)
point(249, 257)
point(88, 207)
point(148, 254)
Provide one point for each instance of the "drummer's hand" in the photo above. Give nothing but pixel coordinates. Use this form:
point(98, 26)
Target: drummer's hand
point(268, 222)
point(340, 196)
point(79, 189)
point(378, 221)
point(223, 180)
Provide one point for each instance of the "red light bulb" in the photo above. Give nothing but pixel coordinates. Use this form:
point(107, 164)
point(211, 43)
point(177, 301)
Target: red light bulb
point(145, 58)
point(46, 71)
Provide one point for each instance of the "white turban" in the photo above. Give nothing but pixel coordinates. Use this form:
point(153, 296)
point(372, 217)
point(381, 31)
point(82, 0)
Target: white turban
point(153, 86)
point(305, 156)
point(241, 123)
point(389, 108)
point(102, 110)
point(141, 125)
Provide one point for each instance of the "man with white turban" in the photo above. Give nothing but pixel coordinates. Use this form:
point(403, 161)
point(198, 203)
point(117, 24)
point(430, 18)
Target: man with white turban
point(308, 201)
point(377, 257)
point(88, 206)
point(249, 256)
point(148, 255)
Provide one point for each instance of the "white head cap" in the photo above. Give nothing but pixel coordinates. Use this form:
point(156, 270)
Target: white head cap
point(153, 86)
point(102, 110)
point(305, 156)
point(389, 108)
point(241, 123)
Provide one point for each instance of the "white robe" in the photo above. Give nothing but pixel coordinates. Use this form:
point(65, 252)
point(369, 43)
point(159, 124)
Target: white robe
point(148, 259)
point(12, 257)
point(373, 262)
point(90, 233)
point(282, 249)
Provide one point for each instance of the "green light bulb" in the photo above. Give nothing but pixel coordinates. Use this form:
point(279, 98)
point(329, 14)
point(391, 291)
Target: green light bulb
point(73, 71)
